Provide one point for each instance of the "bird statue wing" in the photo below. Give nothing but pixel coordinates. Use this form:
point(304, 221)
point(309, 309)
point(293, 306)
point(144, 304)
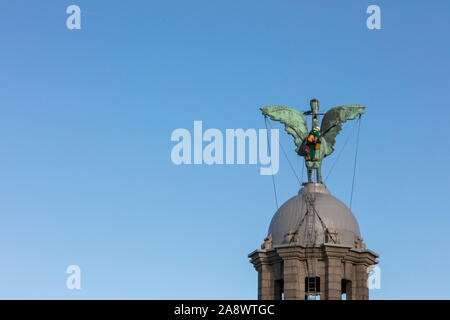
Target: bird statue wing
point(294, 122)
point(333, 120)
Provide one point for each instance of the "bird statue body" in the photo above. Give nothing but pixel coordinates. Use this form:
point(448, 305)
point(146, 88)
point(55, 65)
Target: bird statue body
point(318, 143)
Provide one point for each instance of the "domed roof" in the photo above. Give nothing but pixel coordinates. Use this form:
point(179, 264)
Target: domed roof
point(333, 223)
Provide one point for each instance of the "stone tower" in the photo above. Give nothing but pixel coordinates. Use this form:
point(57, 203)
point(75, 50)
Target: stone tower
point(313, 250)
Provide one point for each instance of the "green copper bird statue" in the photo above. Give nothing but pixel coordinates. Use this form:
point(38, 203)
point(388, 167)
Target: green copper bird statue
point(318, 143)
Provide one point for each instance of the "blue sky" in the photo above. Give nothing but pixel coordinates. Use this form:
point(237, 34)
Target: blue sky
point(86, 118)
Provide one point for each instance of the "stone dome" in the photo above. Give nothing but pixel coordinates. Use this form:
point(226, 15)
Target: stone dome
point(334, 222)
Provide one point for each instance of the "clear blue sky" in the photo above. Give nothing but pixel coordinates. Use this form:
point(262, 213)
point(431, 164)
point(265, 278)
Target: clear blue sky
point(86, 118)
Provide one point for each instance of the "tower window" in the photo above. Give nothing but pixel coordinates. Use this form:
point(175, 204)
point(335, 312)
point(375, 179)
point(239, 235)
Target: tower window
point(279, 290)
point(346, 289)
point(312, 285)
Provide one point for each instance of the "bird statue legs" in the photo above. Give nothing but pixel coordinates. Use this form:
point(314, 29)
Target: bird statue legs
point(318, 175)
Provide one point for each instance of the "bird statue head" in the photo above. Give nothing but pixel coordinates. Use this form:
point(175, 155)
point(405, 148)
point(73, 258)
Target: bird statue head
point(314, 103)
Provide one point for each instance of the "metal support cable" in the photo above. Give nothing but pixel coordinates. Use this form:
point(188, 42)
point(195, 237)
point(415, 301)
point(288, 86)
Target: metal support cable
point(285, 155)
point(340, 152)
point(273, 176)
point(356, 157)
